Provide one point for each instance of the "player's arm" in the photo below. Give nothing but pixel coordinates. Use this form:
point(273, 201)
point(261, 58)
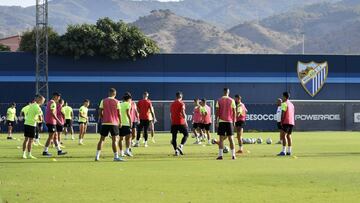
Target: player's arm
point(283, 110)
point(101, 107)
point(119, 112)
point(184, 114)
point(233, 106)
point(15, 116)
point(152, 112)
point(128, 115)
point(217, 113)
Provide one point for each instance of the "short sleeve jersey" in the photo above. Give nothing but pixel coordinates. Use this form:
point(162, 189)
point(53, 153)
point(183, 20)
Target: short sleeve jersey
point(67, 110)
point(10, 114)
point(176, 110)
point(32, 114)
point(84, 111)
point(144, 106)
point(125, 106)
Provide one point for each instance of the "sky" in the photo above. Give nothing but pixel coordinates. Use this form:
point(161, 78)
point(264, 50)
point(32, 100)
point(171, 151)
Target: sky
point(25, 3)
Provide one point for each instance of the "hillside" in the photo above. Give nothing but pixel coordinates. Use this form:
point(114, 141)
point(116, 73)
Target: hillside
point(224, 13)
point(328, 28)
point(265, 36)
point(178, 34)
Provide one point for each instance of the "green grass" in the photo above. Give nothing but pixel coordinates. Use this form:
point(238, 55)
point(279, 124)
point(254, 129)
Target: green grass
point(327, 169)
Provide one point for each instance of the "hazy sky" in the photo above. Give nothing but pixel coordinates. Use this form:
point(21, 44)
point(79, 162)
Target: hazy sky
point(25, 3)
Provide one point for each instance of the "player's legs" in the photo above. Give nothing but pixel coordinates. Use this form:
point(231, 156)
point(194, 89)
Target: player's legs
point(52, 135)
point(133, 132)
point(174, 132)
point(82, 129)
point(283, 135)
point(239, 132)
point(25, 144)
point(221, 146)
point(289, 142)
point(99, 147)
point(232, 146)
point(127, 145)
point(37, 134)
point(146, 128)
point(152, 131)
point(10, 130)
point(115, 140)
point(140, 128)
point(185, 133)
point(120, 146)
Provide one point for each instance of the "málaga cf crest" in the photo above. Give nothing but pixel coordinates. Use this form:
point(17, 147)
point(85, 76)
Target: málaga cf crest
point(312, 76)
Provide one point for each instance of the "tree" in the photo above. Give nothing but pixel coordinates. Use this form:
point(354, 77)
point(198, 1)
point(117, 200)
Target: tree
point(28, 41)
point(116, 40)
point(4, 48)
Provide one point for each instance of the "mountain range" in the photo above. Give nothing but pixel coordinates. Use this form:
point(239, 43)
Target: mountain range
point(214, 26)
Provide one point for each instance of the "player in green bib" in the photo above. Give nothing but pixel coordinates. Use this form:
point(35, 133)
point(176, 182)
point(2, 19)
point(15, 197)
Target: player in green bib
point(83, 120)
point(69, 117)
point(24, 110)
point(33, 115)
point(11, 119)
point(125, 130)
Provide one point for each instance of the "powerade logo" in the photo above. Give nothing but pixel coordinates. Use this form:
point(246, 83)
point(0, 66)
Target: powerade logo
point(320, 117)
point(301, 117)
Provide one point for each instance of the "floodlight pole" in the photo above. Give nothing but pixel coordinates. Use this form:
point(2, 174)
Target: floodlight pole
point(42, 72)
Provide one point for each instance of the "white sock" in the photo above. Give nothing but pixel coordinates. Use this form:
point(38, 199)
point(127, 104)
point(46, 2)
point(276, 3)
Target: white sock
point(37, 140)
point(80, 140)
point(233, 152)
point(284, 149)
point(116, 155)
point(127, 150)
point(181, 146)
point(24, 153)
point(98, 154)
point(289, 149)
point(122, 153)
point(145, 142)
point(221, 152)
point(29, 153)
point(46, 149)
point(57, 144)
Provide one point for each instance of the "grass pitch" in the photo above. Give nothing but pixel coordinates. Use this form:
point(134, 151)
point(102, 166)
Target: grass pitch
point(326, 169)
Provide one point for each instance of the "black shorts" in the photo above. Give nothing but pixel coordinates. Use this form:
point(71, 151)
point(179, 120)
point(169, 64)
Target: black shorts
point(39, 125)
point(205, 126)
point(82, 123)
point(196, 125)
point(29, 131)
point(178, 128)
point(125, 130)
point(287, 128)
point(134, 125)
point(144, 124)
point(10, 123)
point(112, 129)
point(68, 123)
point(240, 124)
point(59, 128)
point(225, 129)
point(51, 128)
point(279, 126)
